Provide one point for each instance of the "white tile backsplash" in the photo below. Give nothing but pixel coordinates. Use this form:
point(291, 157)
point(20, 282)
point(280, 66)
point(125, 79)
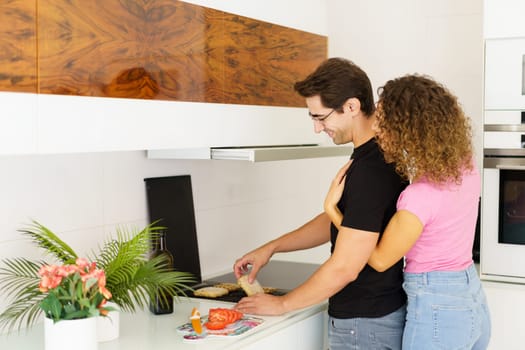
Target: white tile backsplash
point(84, 196)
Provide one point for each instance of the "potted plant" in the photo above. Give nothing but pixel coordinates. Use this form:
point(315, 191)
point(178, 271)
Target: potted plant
point(131, 276)
point(75, 294)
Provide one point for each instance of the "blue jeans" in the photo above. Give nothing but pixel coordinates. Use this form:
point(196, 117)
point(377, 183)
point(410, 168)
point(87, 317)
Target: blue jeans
point(446, 310)
point(381, 333)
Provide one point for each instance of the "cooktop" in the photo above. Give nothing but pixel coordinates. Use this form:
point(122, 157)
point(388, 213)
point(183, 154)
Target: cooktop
point(281, 275)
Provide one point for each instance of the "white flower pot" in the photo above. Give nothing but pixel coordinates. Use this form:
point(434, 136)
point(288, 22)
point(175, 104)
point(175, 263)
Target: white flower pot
point(108, 327)
point(78, 334)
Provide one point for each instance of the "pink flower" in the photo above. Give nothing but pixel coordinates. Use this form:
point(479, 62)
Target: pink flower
point(82, 263)
point(51, 277)
point(102, 287)
point(49, 282)
point(84, 276)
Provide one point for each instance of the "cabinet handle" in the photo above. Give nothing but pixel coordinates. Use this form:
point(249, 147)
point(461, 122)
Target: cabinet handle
point(510, 167)
point(523, 75)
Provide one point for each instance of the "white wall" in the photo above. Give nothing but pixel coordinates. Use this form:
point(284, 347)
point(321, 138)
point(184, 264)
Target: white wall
point(443, 39)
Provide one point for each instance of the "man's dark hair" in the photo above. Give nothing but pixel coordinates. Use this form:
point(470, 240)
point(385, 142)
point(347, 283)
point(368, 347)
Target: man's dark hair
point(335, 81)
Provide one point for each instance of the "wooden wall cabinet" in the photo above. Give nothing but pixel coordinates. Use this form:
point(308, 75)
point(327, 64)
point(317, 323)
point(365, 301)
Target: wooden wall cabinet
point(163, 49)
point(114, 75)
point(18, 47)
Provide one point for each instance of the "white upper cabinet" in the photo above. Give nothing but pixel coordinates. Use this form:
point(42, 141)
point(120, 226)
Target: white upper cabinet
point(504, 18)
point(505, 74)
point(79, 124)
point(18, 123)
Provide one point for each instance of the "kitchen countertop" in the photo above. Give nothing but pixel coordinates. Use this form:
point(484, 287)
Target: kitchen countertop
point(143, 330)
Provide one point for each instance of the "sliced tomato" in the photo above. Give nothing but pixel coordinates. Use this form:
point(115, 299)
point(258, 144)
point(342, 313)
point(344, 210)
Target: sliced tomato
point(235, 315)
point(224, 315)
point(215, 325)
point(217, 315)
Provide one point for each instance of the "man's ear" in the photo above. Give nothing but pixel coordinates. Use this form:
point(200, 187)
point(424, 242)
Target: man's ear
point(352, 105)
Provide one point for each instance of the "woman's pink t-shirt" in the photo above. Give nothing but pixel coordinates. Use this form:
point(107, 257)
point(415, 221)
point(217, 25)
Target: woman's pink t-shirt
point(448, 213)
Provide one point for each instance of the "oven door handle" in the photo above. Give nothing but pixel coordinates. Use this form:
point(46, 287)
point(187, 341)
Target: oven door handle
point(510, 167)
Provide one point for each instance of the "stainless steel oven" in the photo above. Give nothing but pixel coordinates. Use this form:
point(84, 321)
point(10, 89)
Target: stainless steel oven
point(503, 215)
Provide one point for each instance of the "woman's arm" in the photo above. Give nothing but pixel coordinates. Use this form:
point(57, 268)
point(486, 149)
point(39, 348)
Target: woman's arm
point(401, 233)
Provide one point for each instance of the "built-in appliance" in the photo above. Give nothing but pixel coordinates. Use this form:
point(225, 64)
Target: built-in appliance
point(503, 215)
point(280, 276)
point(503, 193)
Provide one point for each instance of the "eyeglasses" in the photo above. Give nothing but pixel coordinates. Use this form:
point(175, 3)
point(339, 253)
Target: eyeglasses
point(320, 117)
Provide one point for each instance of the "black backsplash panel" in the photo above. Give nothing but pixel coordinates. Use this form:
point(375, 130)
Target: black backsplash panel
point(170, 200)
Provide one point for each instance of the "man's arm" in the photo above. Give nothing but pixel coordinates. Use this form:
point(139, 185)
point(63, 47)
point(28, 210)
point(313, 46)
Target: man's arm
point(352, 251)
point(312, 234)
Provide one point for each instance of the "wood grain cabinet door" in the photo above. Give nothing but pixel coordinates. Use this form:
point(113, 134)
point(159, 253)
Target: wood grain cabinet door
point(170, 50)
point(18, 64)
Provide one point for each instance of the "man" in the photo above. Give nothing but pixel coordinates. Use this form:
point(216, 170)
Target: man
point(366, 308)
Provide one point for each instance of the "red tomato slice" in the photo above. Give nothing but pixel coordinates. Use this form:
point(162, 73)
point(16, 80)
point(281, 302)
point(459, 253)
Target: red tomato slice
point(217, 315)
point(215, 325)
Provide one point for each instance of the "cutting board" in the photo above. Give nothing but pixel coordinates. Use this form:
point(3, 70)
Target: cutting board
point(245, 324)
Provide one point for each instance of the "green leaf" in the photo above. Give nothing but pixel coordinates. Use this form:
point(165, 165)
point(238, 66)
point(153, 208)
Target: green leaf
point(77, 314)
point(69, 309)
point(24, 311)
point(52, 306)
point(84, 302)
point(91, 282)
point(50, 242)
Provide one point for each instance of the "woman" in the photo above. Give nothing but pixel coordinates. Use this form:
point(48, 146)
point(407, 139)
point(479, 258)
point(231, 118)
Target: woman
point(422, 129)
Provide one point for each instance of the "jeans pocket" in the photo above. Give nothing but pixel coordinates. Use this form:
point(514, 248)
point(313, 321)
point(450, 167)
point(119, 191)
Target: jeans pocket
point(453, 327)
point(341, 335)
point(386, 340)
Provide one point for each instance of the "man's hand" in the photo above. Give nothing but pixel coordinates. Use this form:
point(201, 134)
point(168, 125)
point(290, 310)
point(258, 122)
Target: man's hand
point(261, 304)
point(255, 260)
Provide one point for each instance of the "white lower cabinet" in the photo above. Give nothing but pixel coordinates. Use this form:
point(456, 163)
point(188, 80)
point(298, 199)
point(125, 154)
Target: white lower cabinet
point(307, 334)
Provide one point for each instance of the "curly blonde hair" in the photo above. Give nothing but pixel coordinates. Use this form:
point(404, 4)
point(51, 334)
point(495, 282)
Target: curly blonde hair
point(423, 130)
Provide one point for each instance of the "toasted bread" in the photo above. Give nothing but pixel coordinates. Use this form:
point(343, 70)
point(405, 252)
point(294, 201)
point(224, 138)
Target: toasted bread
point(210, 292)
point(250, 288)
point(231, 287)
point(269, 290)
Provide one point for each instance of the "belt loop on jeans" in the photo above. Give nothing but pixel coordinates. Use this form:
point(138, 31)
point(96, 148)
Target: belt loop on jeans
point(471, 273)
point(425, 278)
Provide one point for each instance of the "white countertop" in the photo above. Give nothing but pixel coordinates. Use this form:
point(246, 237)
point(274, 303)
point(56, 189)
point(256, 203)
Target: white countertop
point(143, 330)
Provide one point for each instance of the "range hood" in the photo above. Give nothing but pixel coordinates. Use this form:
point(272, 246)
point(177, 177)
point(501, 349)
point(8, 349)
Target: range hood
point(254, 153)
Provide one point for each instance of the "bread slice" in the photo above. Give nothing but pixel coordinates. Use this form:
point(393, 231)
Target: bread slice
point(210, 292)
point(269, 290)
point(250, 288)
point(231, 287)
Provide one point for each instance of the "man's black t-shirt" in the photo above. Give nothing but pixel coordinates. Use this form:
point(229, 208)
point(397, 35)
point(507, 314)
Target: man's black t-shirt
point(368, 202)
